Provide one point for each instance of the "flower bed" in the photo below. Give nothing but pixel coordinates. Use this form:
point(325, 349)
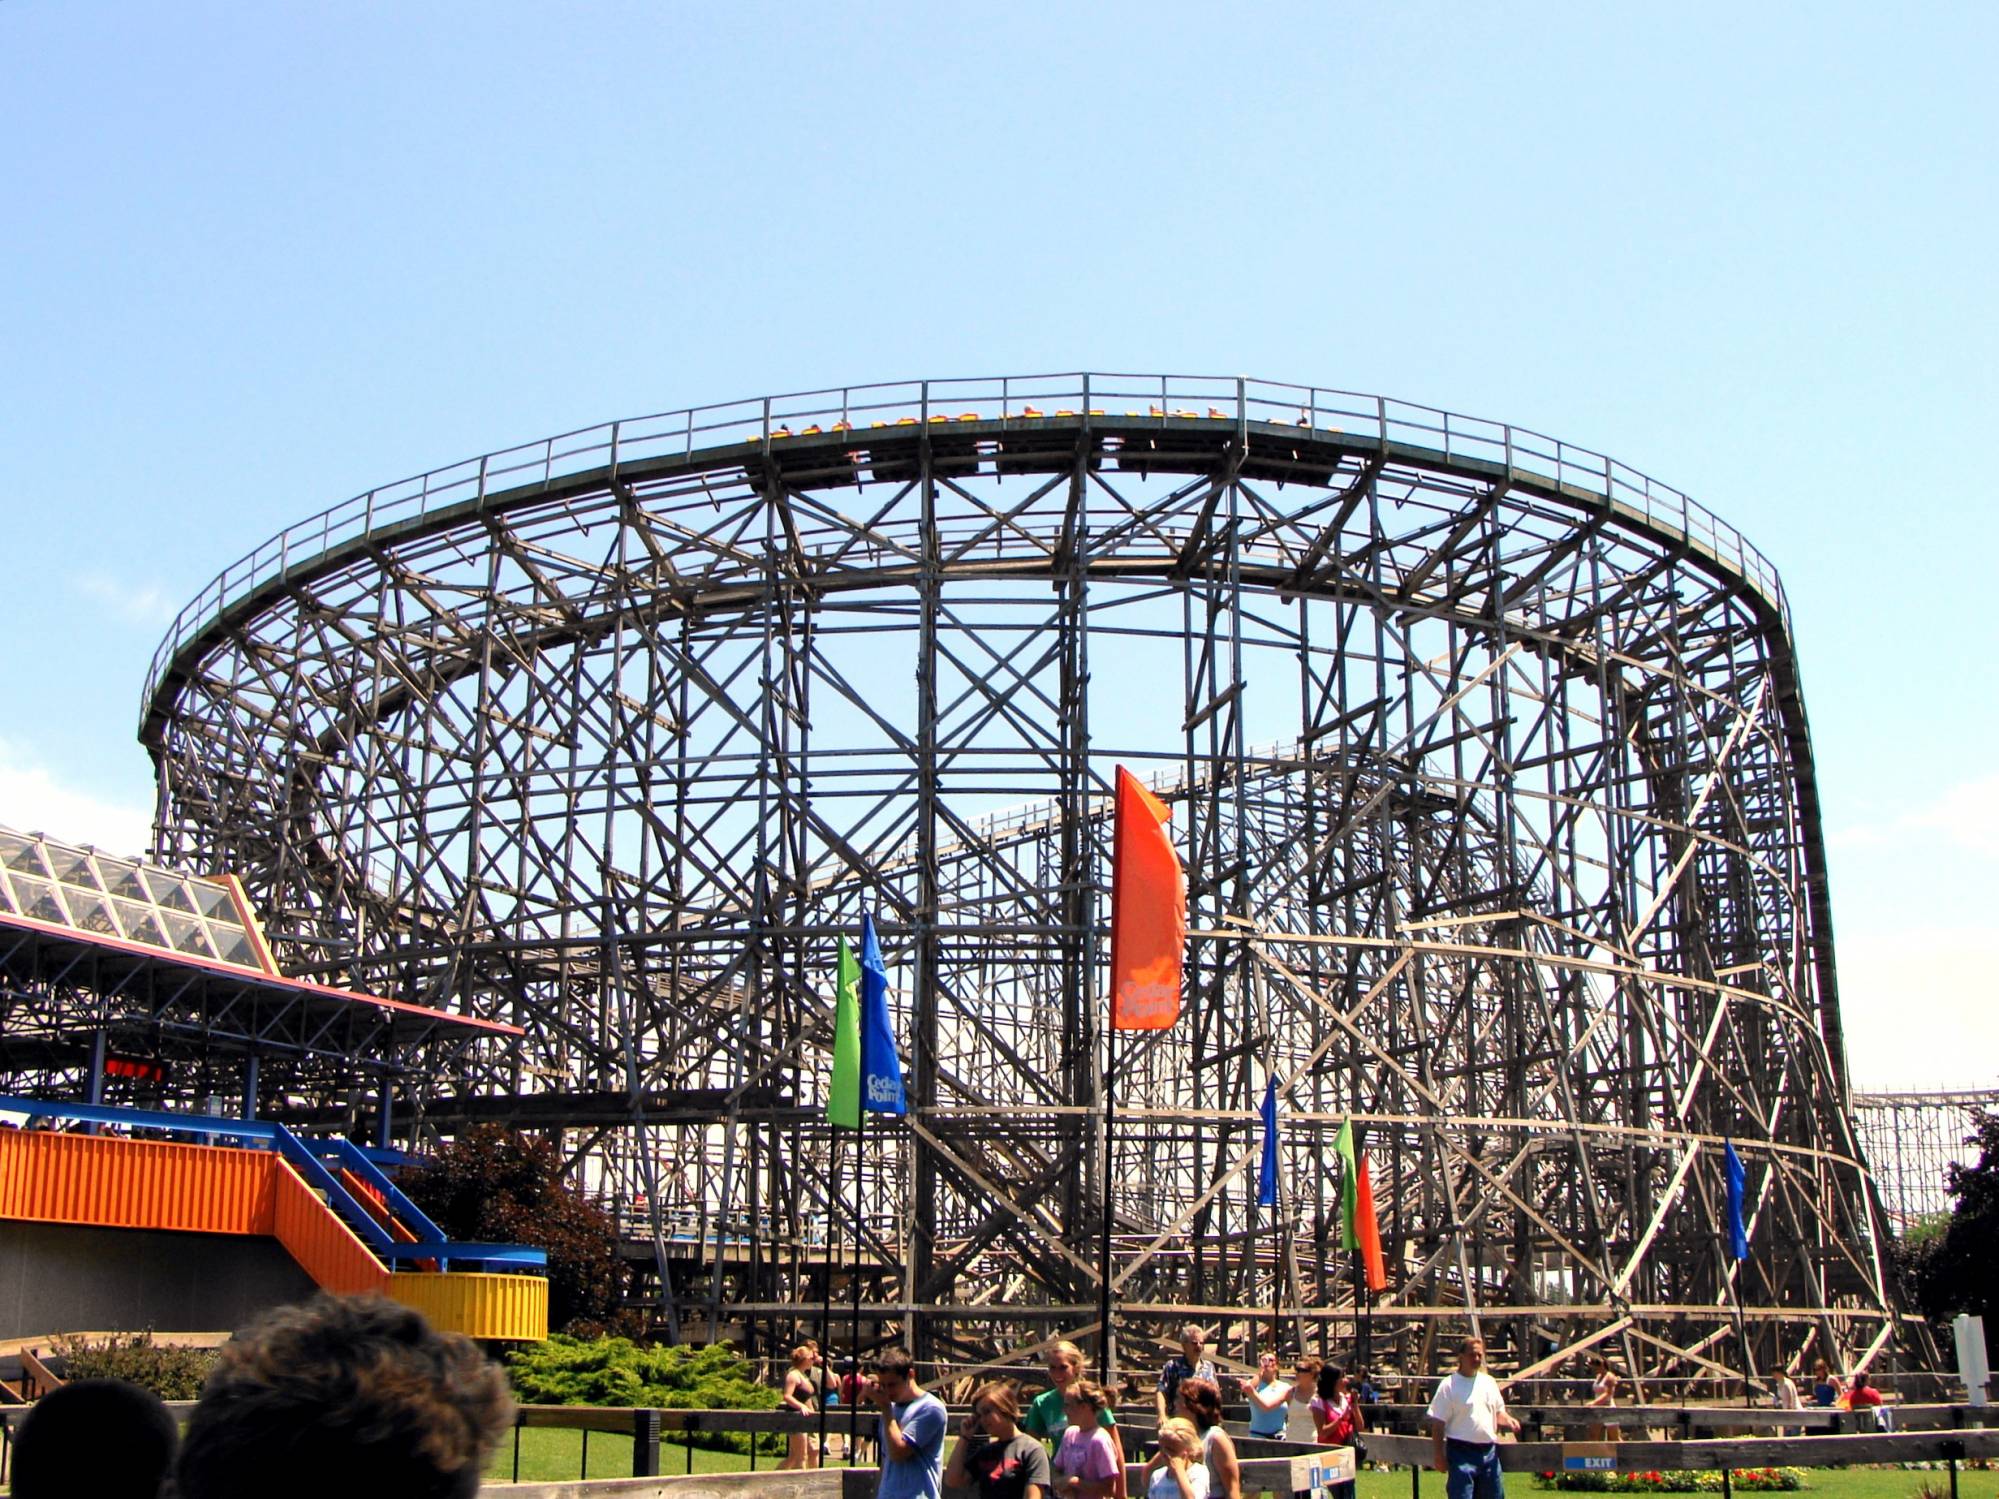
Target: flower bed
point(1673, 1481)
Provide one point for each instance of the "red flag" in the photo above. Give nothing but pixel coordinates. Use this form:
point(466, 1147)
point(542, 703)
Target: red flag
point(1368, 1230)
point(1148, 912)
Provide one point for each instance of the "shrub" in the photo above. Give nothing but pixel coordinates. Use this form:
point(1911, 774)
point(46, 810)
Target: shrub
point(170, 1373)
point(569, 1370)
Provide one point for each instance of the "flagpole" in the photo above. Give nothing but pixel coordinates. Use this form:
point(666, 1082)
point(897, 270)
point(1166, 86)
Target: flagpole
point(1277, 1269)
point(1731, 1274)
point(854, 1411)
point(1730, 1269)
point(1110, 1098)
point(1362, 1291)
point(1104, 1238)
point(1366, 1323)
point(826, 1284)
point(1357, 1277)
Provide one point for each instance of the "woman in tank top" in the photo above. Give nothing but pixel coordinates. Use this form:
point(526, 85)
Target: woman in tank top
point(1201, 1402)
point(1299, 1423)
point(801, 1395)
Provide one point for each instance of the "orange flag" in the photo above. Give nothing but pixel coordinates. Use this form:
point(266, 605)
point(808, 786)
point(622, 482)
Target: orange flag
point(1148, 912)
point(1367, 1230)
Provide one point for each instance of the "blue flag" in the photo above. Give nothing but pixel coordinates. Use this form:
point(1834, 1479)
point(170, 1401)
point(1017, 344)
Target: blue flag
point(1738, 1236)
point(881, 1069)
point(1266, 1176)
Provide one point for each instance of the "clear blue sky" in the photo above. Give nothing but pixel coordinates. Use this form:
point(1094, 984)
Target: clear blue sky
point(258, 258)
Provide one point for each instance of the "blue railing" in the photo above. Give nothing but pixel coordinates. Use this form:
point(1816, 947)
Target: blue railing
point(352, 1158)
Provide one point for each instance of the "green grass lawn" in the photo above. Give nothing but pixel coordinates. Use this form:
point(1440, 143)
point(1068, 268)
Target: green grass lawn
point(549, 1456)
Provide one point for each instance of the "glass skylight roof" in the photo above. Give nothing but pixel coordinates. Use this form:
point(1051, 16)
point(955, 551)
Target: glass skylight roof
point(93, 892)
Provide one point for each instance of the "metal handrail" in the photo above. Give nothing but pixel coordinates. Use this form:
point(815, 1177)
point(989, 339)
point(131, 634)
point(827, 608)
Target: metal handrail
point(351, 1157)
point(906, 405)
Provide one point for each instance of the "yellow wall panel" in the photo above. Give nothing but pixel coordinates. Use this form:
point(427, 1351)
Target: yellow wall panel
point(480, 1305)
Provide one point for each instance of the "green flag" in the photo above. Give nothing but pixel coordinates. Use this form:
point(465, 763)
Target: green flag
point(843, 1097)
point(1343, 1147)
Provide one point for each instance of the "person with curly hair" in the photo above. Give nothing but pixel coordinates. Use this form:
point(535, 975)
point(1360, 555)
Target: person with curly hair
point(344, 1396)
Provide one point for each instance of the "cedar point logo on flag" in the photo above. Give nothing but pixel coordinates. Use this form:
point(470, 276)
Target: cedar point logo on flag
point(881, 1068)
point(884, 1093)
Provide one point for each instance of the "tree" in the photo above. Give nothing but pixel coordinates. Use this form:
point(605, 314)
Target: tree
point(1955, 1271)
point(496, 1185)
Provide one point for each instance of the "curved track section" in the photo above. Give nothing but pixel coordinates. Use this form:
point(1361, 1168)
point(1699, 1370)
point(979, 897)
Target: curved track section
point(1486, 756)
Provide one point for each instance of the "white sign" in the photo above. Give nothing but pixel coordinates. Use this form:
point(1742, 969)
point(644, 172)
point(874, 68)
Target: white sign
point(1972, 1367)
point(1313, 1477)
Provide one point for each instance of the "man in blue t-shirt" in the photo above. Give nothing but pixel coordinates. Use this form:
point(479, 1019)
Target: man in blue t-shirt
point(913, 1426)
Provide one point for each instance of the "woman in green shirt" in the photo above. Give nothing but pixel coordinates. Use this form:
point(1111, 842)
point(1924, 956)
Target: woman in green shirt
point(1044, 1417)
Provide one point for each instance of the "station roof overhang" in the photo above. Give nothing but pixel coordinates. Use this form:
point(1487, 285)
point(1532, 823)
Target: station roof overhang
point(143, 996)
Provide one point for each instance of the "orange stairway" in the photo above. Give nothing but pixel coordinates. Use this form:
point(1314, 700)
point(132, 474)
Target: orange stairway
point(259, 1179)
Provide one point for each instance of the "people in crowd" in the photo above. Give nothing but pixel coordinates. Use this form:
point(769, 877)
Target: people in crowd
point(1269, 1398)
point(1466, 1416)
point(1603, 1393)
point(1362, 1384)
point(344, 1396)
point(1201, 1402)
point(1300, 1425)
point(1864, 1401)
point(1603, 1381)
point(101, 1437)
point(1825, 1391)
point(1176, 1470)
point(1784, 1396)
point(1191, 1362)
point(853, 1385)
point(800, 1395)
point(1336, 1418)
point(995, 1454)
point(824, 1382)
point(1090, 1462)
point(913, 1423)
point(1048, 1414)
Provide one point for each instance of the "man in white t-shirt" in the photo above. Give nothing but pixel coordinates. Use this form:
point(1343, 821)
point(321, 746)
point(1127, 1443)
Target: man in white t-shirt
point(1466, 1418)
